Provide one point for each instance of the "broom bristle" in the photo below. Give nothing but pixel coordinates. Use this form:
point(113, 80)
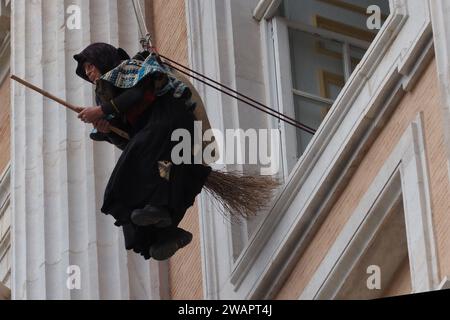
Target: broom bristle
point(241, 195)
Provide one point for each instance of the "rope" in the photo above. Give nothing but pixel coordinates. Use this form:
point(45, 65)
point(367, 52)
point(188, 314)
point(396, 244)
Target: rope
point(147, 45)
point(139, 18)
point(267, 110)
point(270, 112)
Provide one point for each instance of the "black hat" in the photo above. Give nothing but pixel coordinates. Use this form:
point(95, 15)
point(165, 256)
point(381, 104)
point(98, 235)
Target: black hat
point(102, 55)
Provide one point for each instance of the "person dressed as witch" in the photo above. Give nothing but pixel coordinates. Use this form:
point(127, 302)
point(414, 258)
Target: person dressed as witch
point(147, 194)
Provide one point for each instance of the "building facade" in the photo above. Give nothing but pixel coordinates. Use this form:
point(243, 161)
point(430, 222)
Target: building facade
point(366, 196)
point(363, 209)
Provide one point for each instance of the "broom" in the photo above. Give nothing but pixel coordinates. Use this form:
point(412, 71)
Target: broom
point(69, 106)
point(241, 195)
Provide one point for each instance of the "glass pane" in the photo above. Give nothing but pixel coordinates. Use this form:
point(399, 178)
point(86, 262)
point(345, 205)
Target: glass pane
point(350, 12)
point(311, 114)
point(356, 55)
point(383, 4)
point(316, 63)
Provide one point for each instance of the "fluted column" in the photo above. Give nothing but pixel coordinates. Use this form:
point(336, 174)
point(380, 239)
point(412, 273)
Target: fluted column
point(58, 173)
point(5, 235)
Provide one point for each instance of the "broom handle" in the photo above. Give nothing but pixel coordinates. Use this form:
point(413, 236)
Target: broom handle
point(70, 106)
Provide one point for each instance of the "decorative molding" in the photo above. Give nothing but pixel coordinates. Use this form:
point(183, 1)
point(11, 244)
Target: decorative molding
point(405, 170)
point(440, 13)
point(266, 9)
point(383, 101)
point(209, 227)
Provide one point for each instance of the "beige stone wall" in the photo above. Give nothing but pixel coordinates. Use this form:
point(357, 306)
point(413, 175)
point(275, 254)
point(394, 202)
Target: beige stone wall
point(424, 98)
point(402, 281)
point(169, 28)
point(170, 37)
point(5, 128)
point(5, 293)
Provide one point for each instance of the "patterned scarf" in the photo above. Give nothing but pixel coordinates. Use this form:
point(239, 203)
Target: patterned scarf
point(131, 72)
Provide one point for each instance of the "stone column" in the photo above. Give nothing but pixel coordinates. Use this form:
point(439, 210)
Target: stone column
point(440, 15)
point(58, 173)
point(5, 235)
point(5, 210)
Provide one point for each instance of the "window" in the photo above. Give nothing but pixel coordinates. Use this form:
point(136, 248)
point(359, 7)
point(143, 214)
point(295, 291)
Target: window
point(385, 257)
point(317, 46)
point(375, 263)
point(391, 229)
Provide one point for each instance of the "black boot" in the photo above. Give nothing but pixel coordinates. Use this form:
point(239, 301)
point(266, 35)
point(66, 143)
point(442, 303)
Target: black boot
point(150, 215)
point(169, 243)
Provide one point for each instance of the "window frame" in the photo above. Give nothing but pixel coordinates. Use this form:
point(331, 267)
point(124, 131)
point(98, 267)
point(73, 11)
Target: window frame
point(278, 28)
point(404, 172)
point(439, 16)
